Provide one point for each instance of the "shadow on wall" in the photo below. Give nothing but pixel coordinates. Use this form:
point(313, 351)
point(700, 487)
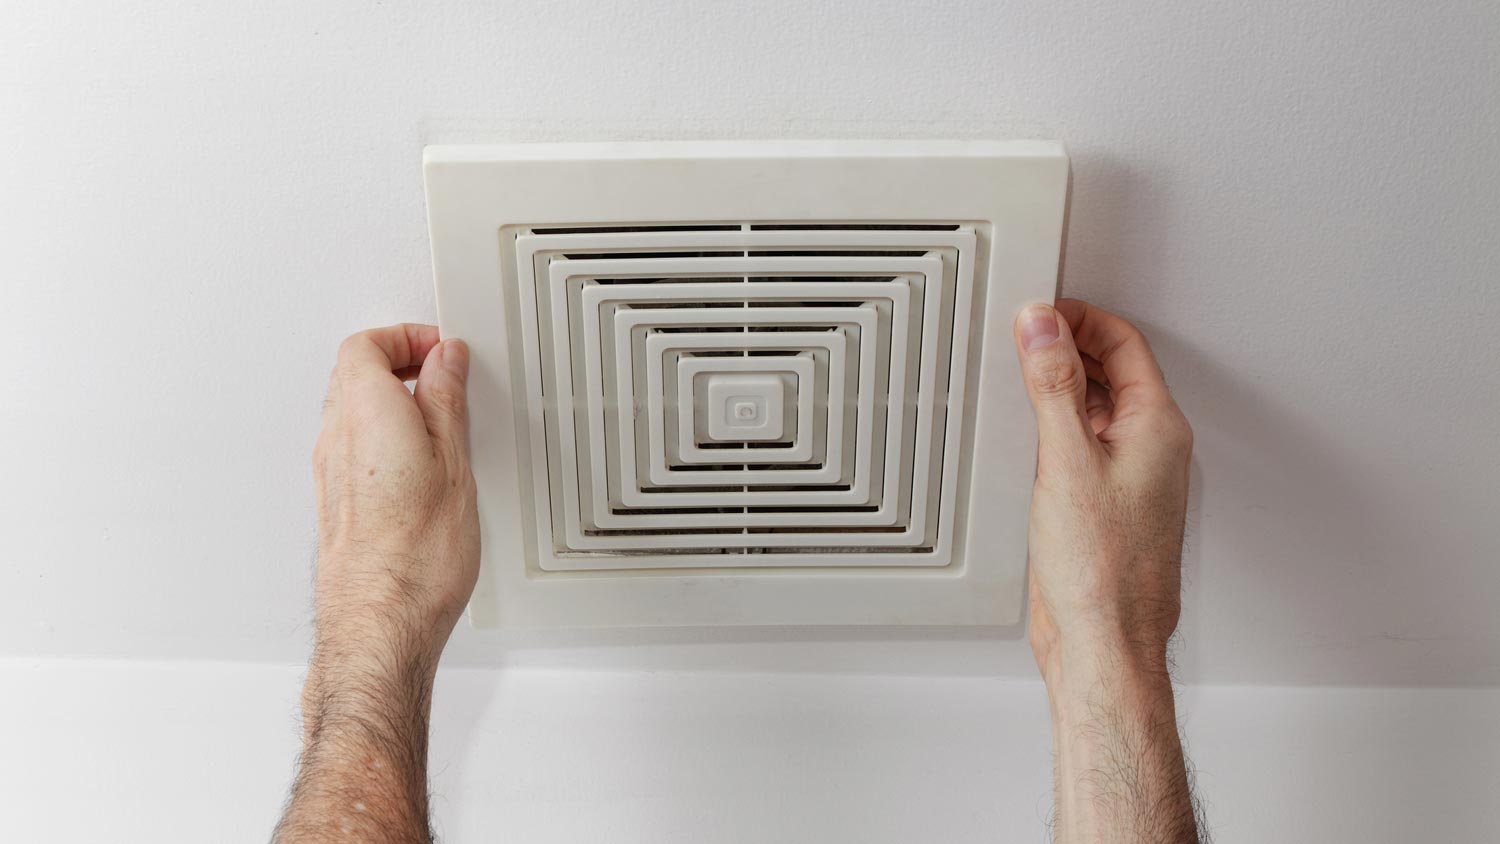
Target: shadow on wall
point(1322, 541)
point(810, 649)
point(1316, 540)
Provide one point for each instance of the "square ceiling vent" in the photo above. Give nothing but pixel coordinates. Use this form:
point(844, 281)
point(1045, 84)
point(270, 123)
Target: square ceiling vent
point(747, 383)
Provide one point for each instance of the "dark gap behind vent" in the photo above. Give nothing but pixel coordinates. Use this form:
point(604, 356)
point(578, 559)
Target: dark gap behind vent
point(836, 253)
point(666, 306)
point(769, 551)
point(715, 353)
point(689, 507)
point(803, 303)
point(841, 279)
point(617, 229)
point(737, 279)
point(697, 329)
point(740, 467)
point(728, 227)
point(745, 446)
point(676, 279)
point(610, 256)
point(898, 227)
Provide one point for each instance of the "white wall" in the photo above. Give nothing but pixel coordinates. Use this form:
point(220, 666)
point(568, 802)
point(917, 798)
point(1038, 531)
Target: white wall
point(1299, 201)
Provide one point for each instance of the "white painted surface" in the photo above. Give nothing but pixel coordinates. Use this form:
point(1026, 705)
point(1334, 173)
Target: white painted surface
point(189, 752)
point(1297, 200)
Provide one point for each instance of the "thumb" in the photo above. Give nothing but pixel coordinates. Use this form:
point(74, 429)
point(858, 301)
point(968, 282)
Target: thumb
point(1054, 375)
point(441, 398)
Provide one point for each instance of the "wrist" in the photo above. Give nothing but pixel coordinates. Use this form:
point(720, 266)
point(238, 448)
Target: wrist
point(1117, 754)
point(1081, 668)
point(362, 600)
point(371, 676)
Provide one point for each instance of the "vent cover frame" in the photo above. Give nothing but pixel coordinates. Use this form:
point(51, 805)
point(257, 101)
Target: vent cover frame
point(524, 233)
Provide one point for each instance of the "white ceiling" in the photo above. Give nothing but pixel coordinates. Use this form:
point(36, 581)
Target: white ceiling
point(1299, 202)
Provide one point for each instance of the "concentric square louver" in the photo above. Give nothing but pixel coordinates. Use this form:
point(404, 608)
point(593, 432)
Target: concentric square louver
point(755, 417)
point(609, 323)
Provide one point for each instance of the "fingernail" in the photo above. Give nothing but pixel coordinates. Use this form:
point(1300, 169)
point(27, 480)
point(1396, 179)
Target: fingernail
point(456, 357)
point(1038, 326)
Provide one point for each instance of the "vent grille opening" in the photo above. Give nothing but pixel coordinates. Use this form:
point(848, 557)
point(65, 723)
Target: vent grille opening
point(744, 394)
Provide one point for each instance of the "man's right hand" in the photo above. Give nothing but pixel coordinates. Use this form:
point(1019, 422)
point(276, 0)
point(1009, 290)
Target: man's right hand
point(1111, 489)
point(1107, 518)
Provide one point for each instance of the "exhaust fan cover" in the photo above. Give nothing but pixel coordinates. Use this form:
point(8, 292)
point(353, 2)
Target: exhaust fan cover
point(747, 383)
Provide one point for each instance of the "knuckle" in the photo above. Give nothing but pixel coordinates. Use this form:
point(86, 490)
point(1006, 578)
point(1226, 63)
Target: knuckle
point(1130, 334)
point(1173, 430)
point(1054, 374)
point(451, 403)
point(1178, 426)
point(348, 348)
point(348, 344)
point(1184, 432)
point(1120, 332)
point(1183, 447)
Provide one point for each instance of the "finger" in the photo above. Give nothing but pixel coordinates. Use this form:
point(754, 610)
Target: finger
point(1054, 376)
point(441, 398)
point(387, 350)
point(1098, 406)
point(1134, 377)
point(1094, 369)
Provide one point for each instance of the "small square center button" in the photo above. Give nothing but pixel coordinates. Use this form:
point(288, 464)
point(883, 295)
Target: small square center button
point(745, 407)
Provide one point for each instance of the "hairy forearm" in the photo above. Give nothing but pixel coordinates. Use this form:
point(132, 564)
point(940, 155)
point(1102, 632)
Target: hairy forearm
point(1120, 771)
point(363, 772)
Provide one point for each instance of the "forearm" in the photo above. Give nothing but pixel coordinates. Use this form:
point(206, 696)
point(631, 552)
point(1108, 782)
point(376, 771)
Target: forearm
point(363, 772)
point(1120, 772)
point(398, 555)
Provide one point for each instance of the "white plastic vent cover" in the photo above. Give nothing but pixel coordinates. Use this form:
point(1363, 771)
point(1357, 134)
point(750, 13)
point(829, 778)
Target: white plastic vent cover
point(747, 383)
